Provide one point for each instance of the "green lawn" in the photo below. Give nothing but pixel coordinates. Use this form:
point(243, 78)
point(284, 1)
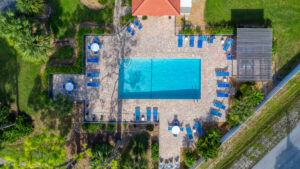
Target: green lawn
point(20, 80)
point(68, 13)
point(285, 21)
point(284, 101)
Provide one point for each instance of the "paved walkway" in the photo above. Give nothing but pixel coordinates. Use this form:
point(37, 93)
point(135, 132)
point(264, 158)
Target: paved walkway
point(286, 155)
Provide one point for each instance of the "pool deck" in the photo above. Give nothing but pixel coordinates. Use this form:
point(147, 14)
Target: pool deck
point(155, 40)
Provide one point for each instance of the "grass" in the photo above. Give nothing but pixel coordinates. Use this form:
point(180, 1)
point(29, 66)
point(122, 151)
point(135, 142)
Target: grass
point(272, 112)
point(68, 13)
point(284, 19)
point(65, 52)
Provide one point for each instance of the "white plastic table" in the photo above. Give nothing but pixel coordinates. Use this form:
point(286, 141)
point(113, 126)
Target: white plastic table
point(95, 47)
point(175, 129)
point(69, 86)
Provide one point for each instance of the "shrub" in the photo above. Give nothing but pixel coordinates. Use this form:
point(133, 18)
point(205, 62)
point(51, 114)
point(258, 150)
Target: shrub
point(149, 127)
point(23, 127)
point(111, 127)
point(144, 17)
point(93, 127)
point(189, 158)
point(221, 30)
point(98, 30)
point(190, 31)
point(208, 145)
point(154, 152)
point(103, 2)
point(239, 112)
point(125, 19)
point(100, 155)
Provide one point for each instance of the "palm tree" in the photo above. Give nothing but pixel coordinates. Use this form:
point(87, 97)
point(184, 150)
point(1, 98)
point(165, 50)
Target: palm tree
point(30, 7)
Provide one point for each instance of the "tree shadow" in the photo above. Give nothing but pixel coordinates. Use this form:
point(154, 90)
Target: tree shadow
point(290, 65)
point(9, 72)
point(241, 18)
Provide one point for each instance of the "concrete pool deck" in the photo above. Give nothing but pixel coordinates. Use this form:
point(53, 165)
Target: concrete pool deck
point(155, 40)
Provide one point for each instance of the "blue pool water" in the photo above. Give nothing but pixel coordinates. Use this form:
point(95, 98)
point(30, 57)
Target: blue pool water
point(160, 79)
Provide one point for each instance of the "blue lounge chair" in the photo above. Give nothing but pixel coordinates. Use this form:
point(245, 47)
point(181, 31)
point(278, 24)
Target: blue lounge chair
point(137, 114)
point(189, 133)
point(170, 128)
point(215, 113)
point(95, 52)
point(180, 41)
point(89, 47)
point(200, 42)
point(132, 33)
point(198, 128)
point(155, 115)
point(192, 40)
point(136, 22)
point(64, 86)
point(227, 44)
point(219, 105)
point(128, 29)
point(229, 57)
point(223, 85)
point(222, 74)
point(181, 128)
point(211, 40)
point(148, 114)
point(93, 84)
point(93, 74)
point(75, 87)
point(140, 27)
point(92, 60)
point(222, 95)
point(95, 40)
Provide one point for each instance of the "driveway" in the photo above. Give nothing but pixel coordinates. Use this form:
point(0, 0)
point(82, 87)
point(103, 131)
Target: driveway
point(285, 155)
point(7, 4)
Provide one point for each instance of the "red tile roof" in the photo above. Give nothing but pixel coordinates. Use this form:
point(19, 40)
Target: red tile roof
point(155, 7)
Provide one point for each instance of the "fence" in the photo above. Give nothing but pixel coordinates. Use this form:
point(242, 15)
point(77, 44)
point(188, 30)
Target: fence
point(282, 83)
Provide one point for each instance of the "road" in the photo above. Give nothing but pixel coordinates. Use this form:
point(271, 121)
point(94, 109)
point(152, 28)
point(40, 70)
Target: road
point(285, 155)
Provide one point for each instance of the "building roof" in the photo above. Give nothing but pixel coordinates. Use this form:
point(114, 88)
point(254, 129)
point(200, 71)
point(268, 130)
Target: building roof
point(155, 7)
point(254, 54)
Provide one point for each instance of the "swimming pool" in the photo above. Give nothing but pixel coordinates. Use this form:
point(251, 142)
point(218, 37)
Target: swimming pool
point(160, 79)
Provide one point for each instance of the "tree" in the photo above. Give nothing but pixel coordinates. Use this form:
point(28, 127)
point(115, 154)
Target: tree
point(189, 158)
point(208, 145)
point(255, 97)
point(239, 112)
point(5, 117)
point(101, 155)
point(22, 127)
point(25, 36)
point(40, 151)
point(61, 105)
point(30, 7)
point(154, 152)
